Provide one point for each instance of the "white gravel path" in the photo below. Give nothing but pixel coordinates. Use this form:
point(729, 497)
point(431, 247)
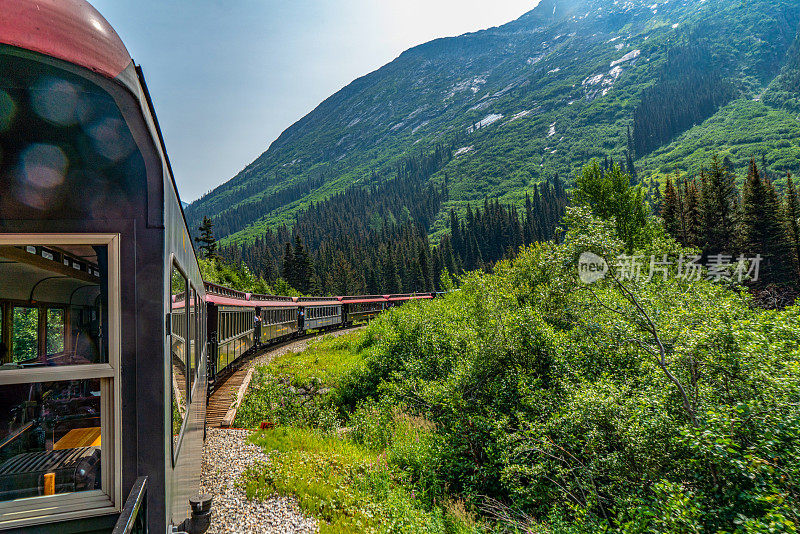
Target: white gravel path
point(226, 456)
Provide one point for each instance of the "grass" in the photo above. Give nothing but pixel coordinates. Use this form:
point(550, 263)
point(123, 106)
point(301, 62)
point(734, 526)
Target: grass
point(371, 477)
point(325, 361)
point(295, 389)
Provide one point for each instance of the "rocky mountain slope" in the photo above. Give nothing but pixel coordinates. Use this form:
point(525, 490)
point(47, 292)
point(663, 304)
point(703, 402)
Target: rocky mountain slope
point(660, 86)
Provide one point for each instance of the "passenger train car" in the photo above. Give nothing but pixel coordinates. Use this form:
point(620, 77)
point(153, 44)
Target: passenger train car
point(109, 338)
point(102, 346)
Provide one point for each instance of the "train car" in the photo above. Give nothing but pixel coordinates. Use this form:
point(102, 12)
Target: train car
point(238, 323)
point(362, 308)
point(396, 300)
point(278, 318)
point(319, 312)
point(102, 323)
point(230, 327)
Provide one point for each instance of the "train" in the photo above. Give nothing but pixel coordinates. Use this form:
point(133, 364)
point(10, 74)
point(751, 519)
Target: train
point(110, 339)
point(241, 323)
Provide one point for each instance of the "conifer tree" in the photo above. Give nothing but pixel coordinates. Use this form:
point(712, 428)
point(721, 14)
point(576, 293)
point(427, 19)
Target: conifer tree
point(288, 270)
point(302, 266)
point(762, 231)
point(670, 211)
point(791, 220)
point(208, 244)
point(692, 211)
point(718, 207)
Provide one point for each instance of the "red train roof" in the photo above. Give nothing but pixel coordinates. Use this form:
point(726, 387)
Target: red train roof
point(71, 30)
point(319, 303)
point(231, 301)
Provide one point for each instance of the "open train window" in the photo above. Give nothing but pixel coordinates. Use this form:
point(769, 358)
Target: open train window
point(179, 366)
point(59, 375)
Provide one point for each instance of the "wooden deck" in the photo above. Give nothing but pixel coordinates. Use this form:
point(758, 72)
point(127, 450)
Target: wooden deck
point(223, 397)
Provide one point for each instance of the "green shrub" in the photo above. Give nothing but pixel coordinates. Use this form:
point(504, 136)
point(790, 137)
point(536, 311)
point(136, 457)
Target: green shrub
point(553, 398)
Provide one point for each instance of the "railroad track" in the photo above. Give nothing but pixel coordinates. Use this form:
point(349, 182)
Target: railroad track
point(221, 410)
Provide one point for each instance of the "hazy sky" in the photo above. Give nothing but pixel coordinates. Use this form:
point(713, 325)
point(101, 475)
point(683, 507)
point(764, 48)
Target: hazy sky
point(228, 76)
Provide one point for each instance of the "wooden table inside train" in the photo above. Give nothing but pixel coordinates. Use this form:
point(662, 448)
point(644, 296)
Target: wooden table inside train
point(79, 437)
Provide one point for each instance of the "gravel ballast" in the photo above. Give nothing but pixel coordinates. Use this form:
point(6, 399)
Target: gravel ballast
point(228, 454)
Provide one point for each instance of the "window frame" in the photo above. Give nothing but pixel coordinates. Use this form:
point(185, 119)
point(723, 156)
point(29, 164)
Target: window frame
point(191, 337)
point(176, 446)
point(198, 334)
point(108, 499)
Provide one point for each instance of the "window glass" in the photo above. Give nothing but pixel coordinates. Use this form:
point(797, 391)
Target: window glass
point(50, 436)
point(198, 337)
point(190, 339)
point(55, 331)
point(58, 299)
point(178, 354)
point(25, 334)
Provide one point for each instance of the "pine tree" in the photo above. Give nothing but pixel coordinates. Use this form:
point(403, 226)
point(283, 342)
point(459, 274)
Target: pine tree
point(762, 231)
point(288, 270)
point(302, 266)
point(670, 211)
point(692, 211)
point(391, 278)
point(208, 244)
point(718, 210)
point(791, 220)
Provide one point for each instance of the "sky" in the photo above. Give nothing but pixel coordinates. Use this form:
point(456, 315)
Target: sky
point(228, 76)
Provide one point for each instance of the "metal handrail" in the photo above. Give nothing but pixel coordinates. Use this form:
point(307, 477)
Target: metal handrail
point(135, 505)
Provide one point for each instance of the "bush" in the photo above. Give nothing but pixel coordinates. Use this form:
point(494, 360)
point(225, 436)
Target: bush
point(562, 403)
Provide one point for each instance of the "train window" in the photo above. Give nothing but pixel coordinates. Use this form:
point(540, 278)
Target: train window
point(198, 337)
point(191, 345)
point(59, 344)
point(55, 307)
point(55, 331)
point(51, 438)
point(178, 354)
point(25, 336)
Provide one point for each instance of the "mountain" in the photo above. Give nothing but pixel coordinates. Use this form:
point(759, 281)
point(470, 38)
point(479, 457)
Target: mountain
point(659, 86)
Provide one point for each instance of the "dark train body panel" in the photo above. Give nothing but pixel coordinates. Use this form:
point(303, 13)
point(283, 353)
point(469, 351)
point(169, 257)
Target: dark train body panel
point(84, 171)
